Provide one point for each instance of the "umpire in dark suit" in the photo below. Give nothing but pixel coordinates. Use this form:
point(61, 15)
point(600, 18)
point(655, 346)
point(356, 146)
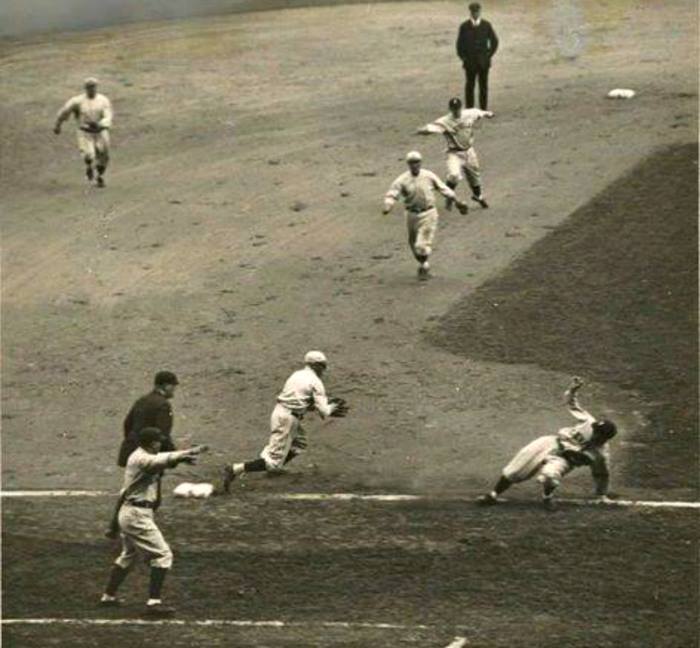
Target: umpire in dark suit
point(476, 44)
point(151, 410)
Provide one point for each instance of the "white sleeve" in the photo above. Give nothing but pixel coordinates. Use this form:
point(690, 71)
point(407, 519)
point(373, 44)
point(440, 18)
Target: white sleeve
point(107, 114)
point(67, 109)
point(433, 127)
point(321, 403)
point(394, 192)
point(162, 460)
point(442, 187)
point(575, 408)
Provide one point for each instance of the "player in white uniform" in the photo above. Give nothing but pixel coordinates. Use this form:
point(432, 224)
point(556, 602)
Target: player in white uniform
point(457, 127)
point(138, 501)
point(549, 458)
point(416, 187)
point(93, 114)
point(303, 392)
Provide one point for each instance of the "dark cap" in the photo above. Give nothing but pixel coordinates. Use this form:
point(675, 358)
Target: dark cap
point(165, 378)
point(474, 6)
point(455, 102)
point(149, 435)
point(604, 429)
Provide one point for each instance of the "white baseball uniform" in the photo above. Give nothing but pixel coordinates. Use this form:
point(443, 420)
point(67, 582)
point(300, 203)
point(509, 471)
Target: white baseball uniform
point(303, 392)
point(94, 119)
point(462, 160)
point(417, 192)
point(139, 531)
point(542, 457)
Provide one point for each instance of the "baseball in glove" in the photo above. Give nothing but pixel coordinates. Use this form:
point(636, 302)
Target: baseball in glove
point(341, 407)
point(462, 207)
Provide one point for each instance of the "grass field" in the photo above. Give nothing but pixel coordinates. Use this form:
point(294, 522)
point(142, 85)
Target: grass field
point(241, 226)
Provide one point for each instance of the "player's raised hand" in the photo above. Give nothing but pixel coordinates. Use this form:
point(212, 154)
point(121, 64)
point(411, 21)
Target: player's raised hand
point(576, 383)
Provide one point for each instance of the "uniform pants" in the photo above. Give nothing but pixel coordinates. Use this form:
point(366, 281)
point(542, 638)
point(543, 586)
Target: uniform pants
point(463, 164)
point(139, 532)
point(286, 433)
point(94, 147)
point(538, 458)
point(482, 74)
point(421, 231)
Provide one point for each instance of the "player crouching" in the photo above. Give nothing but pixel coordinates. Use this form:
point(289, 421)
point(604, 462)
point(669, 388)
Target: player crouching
point(550, 458)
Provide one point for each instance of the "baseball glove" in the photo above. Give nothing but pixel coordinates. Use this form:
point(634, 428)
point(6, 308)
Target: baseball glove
point(341, 407)
point(462, 208)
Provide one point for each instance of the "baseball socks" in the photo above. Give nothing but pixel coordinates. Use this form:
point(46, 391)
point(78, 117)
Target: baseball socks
point(548, 495)
point(89, 173)
point(479, 197)
point(501, 486)
point(116, 578)
point(100, 173)
point(154, 605)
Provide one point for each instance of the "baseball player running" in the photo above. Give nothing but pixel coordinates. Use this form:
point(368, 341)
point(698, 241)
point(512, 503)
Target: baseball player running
point(93, 114)
point(134, 518)
point(457, 126)
point(416, 187)
point(303, 392)
point(549, 458)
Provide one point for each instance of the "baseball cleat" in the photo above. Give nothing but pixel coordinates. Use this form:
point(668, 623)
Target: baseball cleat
point(100, 182)
point(481, 200)
point(89, 173)
point(110, 603)
point(227, 478)
point(159, 611)
point(423, 273)
point(487, 500)
point(549, 504)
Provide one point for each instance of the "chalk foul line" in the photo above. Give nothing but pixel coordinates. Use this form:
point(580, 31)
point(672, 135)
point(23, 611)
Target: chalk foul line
point(368, 497)
point(238, 623)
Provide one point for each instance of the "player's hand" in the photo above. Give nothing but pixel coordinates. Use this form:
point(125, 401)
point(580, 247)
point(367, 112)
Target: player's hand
point(199, 449)
point(57, 129)
point(462, 207)
point(576, 383)
point(489, 114)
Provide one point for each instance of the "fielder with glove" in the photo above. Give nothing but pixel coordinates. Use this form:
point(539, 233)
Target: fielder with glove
point(134, 518)
point(303, 392)
point(549, 458)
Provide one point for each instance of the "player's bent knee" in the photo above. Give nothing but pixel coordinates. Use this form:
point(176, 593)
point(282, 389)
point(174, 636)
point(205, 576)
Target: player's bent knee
point(164, 560)
point(452, 180)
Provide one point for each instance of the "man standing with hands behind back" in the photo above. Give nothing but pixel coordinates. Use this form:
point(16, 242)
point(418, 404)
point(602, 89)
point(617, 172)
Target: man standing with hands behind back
point(476, 44)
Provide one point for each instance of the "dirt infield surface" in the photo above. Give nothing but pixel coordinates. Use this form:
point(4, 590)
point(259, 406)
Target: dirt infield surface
point(240, 227)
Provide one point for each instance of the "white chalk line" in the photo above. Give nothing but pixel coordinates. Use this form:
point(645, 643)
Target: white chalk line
point(237, 623)
point(458, 642)
point(365, 497)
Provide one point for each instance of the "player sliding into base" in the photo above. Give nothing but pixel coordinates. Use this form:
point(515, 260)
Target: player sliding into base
point(549, 458)
point(303, 392)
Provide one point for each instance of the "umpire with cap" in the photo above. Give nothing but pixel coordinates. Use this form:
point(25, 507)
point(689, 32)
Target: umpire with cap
point(476, 44)
point(150, 411)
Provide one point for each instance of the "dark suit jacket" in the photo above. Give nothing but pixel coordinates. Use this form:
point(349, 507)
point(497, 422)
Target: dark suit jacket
point(476, 44)
point(151, 410)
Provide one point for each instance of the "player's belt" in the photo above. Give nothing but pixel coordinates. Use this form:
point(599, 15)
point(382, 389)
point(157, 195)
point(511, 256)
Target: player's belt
point(141, 504)
point(458, 150)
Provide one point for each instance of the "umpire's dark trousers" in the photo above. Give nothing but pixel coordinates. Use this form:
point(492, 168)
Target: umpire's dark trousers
point(482, 73)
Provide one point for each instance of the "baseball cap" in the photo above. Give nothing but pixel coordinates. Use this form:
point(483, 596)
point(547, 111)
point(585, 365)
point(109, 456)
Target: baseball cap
point(149, 435)
point(413, 156)
point(455, 102)
point(166, 378)
point(315, 357)
point(90, 81)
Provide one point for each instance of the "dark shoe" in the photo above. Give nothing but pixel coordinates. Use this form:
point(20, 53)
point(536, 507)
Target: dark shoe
point(549, 504)
point(487, 500)
point(481, 200)
point(423, 273)
point(227, 478)
point(89, 173)
point(100, 182)
point(159, 611)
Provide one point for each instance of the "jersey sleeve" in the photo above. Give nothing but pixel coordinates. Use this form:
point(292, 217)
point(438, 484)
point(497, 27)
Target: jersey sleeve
point(394, 192)
point(575, 408)
point(318, 392)
point(107, 114)
point(67, 109)
point(161, 461)
point(442, 187)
